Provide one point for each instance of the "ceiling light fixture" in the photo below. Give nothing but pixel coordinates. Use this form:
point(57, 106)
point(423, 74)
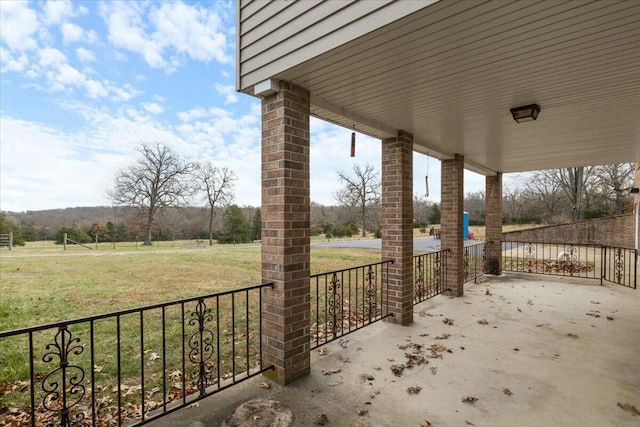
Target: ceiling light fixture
point(526, 113)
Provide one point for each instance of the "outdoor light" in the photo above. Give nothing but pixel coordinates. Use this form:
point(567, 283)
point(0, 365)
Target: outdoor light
point(526, 113)
point(635, 190)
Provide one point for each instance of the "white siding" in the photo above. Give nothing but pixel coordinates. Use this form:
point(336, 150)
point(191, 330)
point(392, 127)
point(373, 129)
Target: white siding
point(274, 36)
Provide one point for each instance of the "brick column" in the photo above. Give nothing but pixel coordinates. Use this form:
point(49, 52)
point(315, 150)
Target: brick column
point(396, 224)
point(451, 208)
point(285, 232)
point(493, 222)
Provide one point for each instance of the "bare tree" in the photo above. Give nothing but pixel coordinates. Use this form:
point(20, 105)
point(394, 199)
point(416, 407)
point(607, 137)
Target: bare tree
point(615, 181)
point(158, 180)
point(216, 184)
point(361, 193)
point(548, 194)
point(573, 182)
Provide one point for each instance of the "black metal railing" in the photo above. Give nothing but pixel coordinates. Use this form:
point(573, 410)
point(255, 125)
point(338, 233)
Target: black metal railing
point(620, 266)
point(474, 257)
point(605, 263)
point(429, 275)
point(558, 259)
point(132, 366)
point(346, 300)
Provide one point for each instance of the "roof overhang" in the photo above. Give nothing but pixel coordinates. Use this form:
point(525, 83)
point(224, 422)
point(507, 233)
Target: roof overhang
point(450, 72)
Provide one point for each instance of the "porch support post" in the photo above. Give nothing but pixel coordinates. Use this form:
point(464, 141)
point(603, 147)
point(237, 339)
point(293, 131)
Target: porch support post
point(285, 232)
point(396, 224)
point(451, 209)
point(493, 223)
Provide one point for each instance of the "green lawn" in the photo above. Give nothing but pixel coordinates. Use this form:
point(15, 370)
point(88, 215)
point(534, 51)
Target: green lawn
point(41, 283)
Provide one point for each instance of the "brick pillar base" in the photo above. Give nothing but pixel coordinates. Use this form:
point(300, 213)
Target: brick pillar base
point(451, 208)
point(493, 222)
point(285, 232)
point(396, 224)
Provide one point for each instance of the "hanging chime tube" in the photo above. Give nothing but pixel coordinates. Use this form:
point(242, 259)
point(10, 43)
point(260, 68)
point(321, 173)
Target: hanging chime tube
point(353, 144)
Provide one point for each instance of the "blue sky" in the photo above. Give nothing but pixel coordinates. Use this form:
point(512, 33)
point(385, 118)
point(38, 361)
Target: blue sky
point(82, 83)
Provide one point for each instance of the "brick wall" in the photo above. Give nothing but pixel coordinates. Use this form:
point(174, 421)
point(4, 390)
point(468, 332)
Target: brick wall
point(396, 220)
point(285, 232)
point(451, 208)
point(615, 231)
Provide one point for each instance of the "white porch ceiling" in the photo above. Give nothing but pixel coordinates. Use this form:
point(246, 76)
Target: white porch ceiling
point(450, 73)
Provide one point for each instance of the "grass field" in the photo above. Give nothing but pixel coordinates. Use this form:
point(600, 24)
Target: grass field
point(41, 283)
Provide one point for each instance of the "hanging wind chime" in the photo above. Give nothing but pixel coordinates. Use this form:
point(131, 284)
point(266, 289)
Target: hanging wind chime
point(426, 179)
point(353, 142)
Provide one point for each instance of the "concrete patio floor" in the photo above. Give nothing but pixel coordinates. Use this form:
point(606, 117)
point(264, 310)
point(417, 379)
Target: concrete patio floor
point(533, 350)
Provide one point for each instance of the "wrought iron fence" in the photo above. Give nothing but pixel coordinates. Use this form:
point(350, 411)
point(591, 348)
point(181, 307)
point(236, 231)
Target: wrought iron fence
point(346, 300)
point(133, 366)
point(620, 266)
point(429, 275)
point(606, 263)
point(560, 259)
point(474, 257)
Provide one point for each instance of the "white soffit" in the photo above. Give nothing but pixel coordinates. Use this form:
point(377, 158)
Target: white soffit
point(450, 73)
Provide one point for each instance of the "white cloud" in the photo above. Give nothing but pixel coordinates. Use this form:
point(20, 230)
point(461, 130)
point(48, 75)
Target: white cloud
point(50, 56)
point(19, 24)
point(55, 12)
point(10, 62)
point(228, 91)
point(85, 55)
point(91, 37)
point(95, 89)
point(153, 107)
point(71, 32)
point(178, 28)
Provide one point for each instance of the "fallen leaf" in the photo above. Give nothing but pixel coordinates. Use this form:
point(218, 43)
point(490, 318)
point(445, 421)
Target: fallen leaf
point(322, 351)
point(153, 357)
point(507, 391)
point(469, 423)
point(414, 389)
point(265, 385)
point(331, 371)
point(362, 412)
point(322, 419)
point(609, 318)
point(629, 408)
point(572, 335)
point(483, 322)
point(469, 399)
point(447, 321)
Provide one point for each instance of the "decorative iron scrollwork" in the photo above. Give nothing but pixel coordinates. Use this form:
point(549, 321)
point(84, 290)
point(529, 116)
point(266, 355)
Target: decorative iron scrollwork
point(618, 266)
point(335, 303)
point(484, 258)
point(529, 257)
point(63, 386)
point(419, 288)
point(437, 276)
point(370, 294)
point(465, 260)
point(201, 348)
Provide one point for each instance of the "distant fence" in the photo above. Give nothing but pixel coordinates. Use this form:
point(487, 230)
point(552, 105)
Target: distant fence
point(6, 240)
